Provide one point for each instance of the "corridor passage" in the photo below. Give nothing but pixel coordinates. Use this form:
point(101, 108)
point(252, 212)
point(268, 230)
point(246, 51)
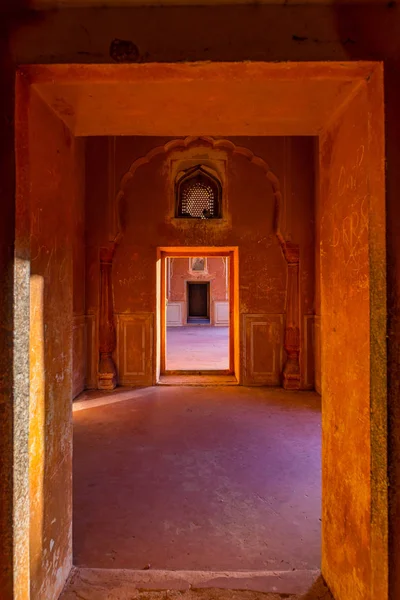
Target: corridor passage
point(195, 347)
point(200, 478)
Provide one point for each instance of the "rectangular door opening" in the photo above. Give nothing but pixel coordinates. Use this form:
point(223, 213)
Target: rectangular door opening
point(198, 303)
point(197, 313)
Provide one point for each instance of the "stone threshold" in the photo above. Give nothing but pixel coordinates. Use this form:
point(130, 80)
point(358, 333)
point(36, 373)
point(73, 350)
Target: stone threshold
point(200, 379)
point(102, 584)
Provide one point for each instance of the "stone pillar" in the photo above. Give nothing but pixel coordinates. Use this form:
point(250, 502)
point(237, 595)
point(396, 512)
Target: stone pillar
point(107, 373)
point(291, 369)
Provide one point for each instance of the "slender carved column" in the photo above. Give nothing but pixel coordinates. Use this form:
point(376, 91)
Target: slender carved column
point(107, 373)
point(291, 369)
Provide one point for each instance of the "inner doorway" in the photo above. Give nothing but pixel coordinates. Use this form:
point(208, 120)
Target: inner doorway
point(198, 295)
point(198, 323)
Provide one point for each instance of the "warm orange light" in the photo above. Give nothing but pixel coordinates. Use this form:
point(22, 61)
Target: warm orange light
point(36, 420)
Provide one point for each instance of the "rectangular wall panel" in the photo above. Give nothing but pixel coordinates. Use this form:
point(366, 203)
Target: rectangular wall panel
point(263, 349)
point(221, 312)
point(135, 349)
point(174, 314)
point(78, 354)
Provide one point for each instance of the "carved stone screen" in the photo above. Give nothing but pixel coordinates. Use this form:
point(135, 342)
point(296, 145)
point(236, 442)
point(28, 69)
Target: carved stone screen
point(198, 195)
point(198, 201)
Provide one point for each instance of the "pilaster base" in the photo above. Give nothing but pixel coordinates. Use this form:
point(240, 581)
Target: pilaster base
point(106, 381)
point(291, 373)
point(291, 382)
point(107, 374)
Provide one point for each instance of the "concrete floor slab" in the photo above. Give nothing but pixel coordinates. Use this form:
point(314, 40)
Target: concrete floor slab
point(199, 347)
point(198, 478)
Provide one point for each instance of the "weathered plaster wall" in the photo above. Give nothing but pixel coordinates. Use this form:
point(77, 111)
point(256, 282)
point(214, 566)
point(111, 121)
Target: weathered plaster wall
point(215, 273)
point(55, 165)
point(317, 267)
point(78, 198)
point(344, 254)
point(98, 217)
point(350, 356)
point(248, 205)
point(300, 203)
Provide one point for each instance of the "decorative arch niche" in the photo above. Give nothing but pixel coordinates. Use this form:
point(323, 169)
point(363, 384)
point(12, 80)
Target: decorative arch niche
point(291, 375)
point(183, 143)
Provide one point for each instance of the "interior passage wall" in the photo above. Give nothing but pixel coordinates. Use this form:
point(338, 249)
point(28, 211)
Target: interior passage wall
point(99, 175)
point(248, 214)
point(317, 265)
point(79, 366)
point(299, 226)
point(55, 164)
point(353, 381)
point(180, 272)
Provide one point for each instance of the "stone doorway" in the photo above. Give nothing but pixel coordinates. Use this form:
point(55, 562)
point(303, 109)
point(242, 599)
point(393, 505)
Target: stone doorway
point(342, 105)
point(194, 344)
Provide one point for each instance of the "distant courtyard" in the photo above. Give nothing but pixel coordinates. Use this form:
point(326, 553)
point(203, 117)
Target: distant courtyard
point(197, 347)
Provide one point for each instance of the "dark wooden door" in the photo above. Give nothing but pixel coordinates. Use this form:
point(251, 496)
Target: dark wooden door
point(198, 299)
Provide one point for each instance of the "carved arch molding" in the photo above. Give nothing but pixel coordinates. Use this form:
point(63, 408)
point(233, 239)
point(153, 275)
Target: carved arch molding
point(107, 377)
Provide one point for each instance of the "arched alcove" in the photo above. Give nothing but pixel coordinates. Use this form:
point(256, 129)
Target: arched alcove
point(210, 182)
point(183, 143)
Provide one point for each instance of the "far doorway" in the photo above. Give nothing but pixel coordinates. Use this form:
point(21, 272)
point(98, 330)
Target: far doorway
point(197, 312)
point(198, 304)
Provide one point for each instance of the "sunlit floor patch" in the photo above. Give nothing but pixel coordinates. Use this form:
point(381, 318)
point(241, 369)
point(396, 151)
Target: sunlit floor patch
point(197, 347)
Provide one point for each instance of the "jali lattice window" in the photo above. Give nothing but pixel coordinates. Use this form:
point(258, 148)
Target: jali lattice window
point(198, 195)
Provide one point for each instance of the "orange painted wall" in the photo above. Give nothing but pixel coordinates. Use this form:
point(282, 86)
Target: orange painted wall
point(349, 241)
point(317, 267)
point(56, 199)
point(80, 325)
point(97, 218)
point(148, 216)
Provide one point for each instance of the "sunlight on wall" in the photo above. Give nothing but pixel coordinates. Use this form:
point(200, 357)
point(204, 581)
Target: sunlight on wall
point(160, 290)
point(36, 419)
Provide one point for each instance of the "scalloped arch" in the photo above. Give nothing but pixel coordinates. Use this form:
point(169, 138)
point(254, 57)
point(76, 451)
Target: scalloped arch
point(215, 144)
